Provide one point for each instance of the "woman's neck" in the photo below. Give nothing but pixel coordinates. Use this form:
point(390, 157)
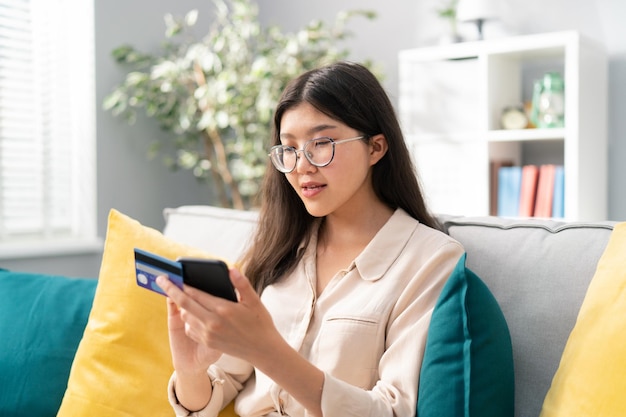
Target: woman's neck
point(356, 228)
point(341, 238)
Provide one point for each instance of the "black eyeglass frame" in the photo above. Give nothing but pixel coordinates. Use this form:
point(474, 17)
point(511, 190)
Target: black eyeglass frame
point(306, 155)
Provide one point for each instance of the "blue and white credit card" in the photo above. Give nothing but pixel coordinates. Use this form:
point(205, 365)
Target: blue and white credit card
point(149, 266)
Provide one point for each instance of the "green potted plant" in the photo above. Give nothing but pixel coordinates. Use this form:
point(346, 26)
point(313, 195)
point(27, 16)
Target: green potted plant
point(216, 95)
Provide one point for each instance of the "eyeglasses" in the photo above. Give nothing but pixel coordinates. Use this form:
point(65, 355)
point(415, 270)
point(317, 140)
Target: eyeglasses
point(319, 152)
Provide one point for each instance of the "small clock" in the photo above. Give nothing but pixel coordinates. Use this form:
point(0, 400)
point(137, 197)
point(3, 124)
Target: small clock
point(513, 118)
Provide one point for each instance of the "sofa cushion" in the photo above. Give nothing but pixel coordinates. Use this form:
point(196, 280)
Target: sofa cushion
point(539, 271)
point(467, 368)
point(123, 363)
point(42, 319)
point(590, 380)
point(198, 225)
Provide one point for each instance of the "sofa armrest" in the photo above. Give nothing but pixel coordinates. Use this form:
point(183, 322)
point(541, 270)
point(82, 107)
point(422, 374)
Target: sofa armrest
point(539, 271)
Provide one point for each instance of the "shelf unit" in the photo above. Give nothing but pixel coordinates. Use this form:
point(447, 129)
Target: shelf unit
point(450, 101)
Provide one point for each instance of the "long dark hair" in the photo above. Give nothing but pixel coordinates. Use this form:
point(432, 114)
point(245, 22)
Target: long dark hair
point(350, 93)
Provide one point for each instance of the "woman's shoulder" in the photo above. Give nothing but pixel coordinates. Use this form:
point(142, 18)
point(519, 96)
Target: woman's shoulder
point(426, 238)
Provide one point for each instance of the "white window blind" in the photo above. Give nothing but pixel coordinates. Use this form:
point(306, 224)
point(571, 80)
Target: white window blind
point(47, 125)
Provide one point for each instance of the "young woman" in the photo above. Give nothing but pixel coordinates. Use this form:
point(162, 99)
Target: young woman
point(340, 280)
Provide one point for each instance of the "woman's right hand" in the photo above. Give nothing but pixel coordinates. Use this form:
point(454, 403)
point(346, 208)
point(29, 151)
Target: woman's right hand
point(188, 355)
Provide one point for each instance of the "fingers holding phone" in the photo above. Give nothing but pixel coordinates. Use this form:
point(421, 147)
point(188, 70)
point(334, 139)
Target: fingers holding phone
point(207, 310)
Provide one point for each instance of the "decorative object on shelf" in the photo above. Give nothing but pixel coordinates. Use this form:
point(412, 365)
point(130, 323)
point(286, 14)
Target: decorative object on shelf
point(528, 111)
point(548, 109)
point(514, 117)
point(448, 13)
point(216, 94)
point(477, 11)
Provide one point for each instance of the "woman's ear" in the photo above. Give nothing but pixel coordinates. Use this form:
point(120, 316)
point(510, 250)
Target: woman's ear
point(378, 148)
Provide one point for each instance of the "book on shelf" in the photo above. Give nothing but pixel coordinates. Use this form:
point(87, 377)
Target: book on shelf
point(545, 191)
point(528, 190)
point(509, 185)
point(494, 171)
point(558, 202)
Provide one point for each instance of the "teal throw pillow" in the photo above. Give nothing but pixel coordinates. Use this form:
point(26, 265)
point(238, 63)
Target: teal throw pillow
point(467, 369)
point(42, 319)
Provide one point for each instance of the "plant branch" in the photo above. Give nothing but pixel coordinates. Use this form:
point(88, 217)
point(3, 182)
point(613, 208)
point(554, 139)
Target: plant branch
point(217, 179)
point(218, 147)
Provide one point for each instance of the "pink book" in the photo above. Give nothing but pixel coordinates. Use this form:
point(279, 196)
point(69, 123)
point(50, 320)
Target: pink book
point(530, 173)
point(545, 191)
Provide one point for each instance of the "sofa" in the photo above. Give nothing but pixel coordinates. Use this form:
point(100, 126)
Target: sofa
point(538, 270)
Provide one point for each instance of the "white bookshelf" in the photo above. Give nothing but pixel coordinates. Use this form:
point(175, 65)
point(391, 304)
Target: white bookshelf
point(450, 101)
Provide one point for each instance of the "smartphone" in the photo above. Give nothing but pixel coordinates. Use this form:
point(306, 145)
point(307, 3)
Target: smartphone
point(208, 275)
point(148, 266)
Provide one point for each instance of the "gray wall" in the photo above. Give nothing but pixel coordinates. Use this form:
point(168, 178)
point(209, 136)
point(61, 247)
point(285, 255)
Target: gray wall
point(140, 188)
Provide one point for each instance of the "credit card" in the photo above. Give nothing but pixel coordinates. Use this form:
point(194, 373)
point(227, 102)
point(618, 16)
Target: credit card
point(148, 266)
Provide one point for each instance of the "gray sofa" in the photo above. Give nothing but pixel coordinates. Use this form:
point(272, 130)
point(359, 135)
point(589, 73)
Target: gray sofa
point(538, 270)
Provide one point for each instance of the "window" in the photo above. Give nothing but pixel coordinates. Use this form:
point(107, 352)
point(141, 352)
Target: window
point(47, 126)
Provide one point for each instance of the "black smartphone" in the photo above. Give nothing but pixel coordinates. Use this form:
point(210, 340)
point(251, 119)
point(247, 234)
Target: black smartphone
point(208, 275)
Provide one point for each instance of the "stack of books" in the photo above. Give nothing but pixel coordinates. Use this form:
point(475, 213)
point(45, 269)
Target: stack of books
point(527, 191)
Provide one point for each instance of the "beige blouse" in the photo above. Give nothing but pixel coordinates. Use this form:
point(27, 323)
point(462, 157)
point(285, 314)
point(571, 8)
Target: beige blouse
point(366, 331)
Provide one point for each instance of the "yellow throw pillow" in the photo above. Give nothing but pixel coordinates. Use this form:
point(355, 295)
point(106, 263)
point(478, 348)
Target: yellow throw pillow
point(591, 378)
point(123, 362)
